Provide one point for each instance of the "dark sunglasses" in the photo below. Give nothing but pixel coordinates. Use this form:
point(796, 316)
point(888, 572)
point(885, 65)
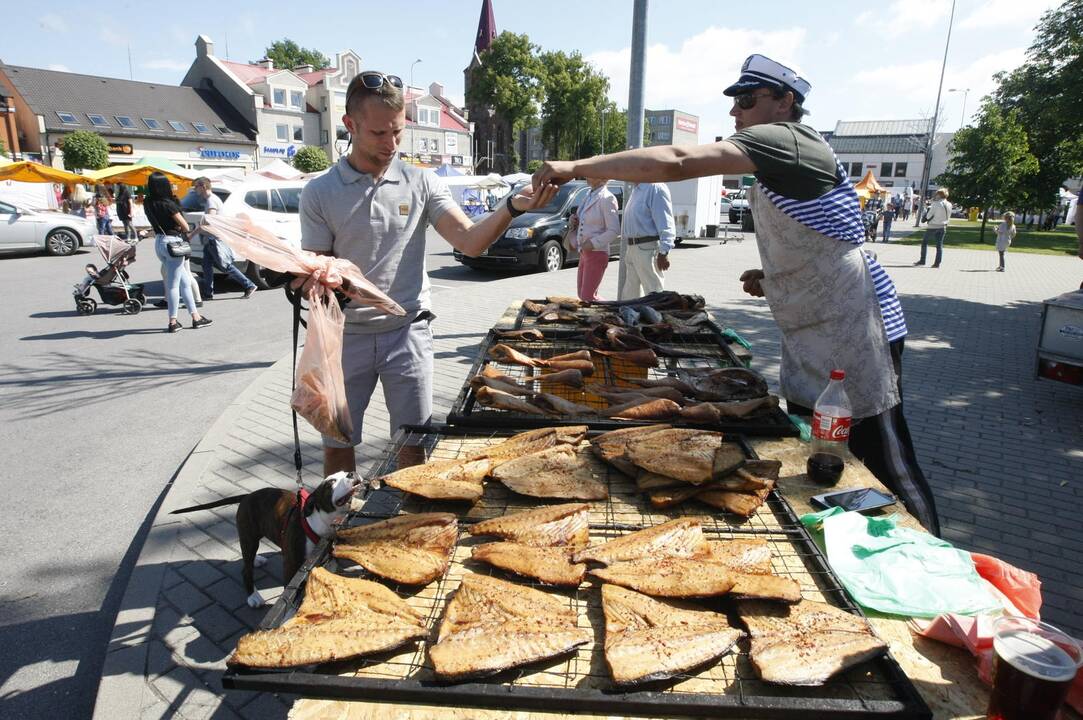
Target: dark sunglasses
point(747, 101)
point(373, 80)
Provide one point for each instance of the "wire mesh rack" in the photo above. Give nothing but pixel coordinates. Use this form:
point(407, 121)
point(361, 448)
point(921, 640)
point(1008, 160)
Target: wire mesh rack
point(579, 680)
point(707, 352)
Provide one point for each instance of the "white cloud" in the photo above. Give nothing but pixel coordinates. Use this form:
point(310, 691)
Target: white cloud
point(905, 15)
point(691, 77)
point(59, 67)
point(53, 23)
point(112, 37)
point(998, 13)
point(167, 64)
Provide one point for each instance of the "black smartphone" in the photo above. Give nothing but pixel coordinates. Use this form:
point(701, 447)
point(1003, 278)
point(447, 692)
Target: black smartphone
point(859, 500)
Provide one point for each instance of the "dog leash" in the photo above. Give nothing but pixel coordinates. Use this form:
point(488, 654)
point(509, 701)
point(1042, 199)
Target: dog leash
point(295, 299)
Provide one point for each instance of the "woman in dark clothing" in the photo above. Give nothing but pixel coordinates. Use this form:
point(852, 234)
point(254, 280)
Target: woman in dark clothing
point(124, 210)
point(164, 213)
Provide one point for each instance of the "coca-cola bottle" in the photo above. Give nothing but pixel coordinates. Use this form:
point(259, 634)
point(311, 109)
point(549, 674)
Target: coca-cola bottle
point(830, 431)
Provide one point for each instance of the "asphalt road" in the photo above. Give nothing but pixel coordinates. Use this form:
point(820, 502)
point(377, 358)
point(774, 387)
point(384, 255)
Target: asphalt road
point(96, 415)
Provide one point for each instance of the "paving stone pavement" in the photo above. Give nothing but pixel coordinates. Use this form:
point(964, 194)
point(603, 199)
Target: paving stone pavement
point(1003, 452)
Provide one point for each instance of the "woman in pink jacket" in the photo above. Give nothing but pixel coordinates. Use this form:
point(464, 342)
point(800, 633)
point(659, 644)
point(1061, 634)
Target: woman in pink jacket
point(598, 225)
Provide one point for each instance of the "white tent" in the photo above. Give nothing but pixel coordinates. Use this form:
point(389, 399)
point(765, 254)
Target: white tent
point(279, 170)
point(36, 196)
point(517, 178)
point(224, 175)
point(492, 181)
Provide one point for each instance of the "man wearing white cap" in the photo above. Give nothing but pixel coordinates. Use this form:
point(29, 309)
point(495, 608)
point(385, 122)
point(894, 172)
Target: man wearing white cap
point(835, 305)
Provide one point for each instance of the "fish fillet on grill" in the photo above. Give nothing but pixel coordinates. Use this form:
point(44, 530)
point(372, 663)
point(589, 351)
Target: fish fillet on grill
point(552, 526)
point(683, 454)
point(339, 618)
point(491, 625)
point(559, 472)
point(739, 503)
point(442, 479)
point(410, 549)
point(531, 441)
point(676, 577)
point(806, 643)
point(647, 639)
point(682, 537)
point(611, 446)
point(551, 565)
point(750, 563)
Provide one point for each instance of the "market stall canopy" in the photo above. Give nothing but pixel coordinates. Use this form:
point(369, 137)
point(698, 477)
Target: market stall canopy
point(868, 186)
point(517, 178)
point(492, 181)
point(279, 170)
point(447, 171)
point(137, 174)
point(26, 171)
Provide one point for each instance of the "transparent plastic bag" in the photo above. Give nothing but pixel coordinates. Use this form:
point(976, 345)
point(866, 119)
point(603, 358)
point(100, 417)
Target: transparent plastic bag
point(320, 395)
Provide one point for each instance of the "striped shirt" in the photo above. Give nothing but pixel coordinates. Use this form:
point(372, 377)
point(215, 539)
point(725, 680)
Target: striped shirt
point(837, 214)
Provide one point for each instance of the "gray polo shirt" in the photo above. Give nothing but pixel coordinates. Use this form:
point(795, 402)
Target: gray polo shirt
point(380, 228)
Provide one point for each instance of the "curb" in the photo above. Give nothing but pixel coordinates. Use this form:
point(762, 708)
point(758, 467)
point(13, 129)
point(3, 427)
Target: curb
point(123, 689)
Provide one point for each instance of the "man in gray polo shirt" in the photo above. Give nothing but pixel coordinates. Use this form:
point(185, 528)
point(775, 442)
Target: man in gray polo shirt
point(372, 209)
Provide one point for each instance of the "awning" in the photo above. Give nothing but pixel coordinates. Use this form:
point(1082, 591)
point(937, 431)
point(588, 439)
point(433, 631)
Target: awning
point(869, 185)
point(27, 171)
point(138, 174)
point(279, 170)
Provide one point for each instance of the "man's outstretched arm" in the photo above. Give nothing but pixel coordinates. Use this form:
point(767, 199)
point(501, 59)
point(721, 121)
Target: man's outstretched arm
point(654, 164)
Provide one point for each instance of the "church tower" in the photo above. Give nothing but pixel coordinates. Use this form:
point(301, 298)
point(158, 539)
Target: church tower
point(492, 134)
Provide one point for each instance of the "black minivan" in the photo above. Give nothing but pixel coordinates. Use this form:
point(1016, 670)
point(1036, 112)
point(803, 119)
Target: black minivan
point(534, 239)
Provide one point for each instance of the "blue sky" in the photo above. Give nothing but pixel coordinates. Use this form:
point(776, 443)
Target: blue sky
point(865, 61)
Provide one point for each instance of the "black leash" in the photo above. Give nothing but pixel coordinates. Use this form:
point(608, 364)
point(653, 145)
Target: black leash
point(294, 296)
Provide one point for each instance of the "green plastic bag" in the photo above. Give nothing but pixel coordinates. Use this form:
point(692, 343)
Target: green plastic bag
point(897, 570)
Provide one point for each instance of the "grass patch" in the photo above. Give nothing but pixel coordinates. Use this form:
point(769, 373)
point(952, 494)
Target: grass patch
point(964, 234)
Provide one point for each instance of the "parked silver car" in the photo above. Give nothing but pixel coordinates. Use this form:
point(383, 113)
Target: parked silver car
point(54, 232)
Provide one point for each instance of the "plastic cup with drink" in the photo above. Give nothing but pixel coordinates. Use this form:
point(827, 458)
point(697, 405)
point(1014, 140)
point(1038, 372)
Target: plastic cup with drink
point(1034, 665)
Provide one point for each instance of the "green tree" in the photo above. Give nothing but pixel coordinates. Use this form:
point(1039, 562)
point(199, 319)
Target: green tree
point(311, 159)
point(85, 150)
point(990, 162)
point(287, 55)
point(509, 81)
point(1046, 93)
point(533, 165)
point(575, 94)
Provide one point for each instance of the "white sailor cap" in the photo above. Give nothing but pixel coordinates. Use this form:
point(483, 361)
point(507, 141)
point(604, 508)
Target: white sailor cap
point(761, 71)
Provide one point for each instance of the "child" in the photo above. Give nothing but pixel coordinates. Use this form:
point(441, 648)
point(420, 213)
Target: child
point(1005, 235)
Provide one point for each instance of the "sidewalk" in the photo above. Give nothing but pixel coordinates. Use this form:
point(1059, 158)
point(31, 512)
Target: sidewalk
point(1003, 452)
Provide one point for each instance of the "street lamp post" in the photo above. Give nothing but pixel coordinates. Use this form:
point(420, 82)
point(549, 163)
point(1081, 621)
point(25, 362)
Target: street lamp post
point(413, 150)
point(965, 92)
point(415, 62)
point(936, 116)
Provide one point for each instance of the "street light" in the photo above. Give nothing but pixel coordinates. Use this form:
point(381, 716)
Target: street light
point(965, 92)
point(412, 148)
point(415, 62)
point(936, 115)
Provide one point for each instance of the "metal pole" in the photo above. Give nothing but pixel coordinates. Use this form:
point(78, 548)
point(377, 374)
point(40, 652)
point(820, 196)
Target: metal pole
point(963, 121)
point(634, 137)
point(936, 114)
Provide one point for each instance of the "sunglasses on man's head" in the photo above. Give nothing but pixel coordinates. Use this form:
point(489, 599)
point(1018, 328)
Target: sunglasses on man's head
point(373, 80)
point(747, 101)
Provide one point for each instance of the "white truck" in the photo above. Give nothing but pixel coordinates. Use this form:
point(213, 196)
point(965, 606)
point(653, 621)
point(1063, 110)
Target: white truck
point(696, 206)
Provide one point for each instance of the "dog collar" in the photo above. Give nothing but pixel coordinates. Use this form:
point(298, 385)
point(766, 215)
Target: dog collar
point(309, 532)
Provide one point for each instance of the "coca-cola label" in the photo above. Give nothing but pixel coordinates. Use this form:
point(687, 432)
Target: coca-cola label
point(833, 429)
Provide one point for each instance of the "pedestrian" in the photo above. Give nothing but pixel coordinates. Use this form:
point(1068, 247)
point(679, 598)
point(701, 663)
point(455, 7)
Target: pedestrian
point(124, 210)
point(597, 225)
point(937, 215)
point(216, 254)
point(102, 203)
point(1005, 235)
point(650, 235)
point(889, 218)
point(164, 213)
point(372, 208)
point(836, 306)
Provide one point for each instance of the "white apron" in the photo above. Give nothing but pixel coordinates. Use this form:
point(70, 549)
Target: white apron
point(821, 295)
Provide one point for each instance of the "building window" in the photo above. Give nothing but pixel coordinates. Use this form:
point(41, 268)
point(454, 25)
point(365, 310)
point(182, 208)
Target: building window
point(341, 133)
point(152, 123)
point(297, 100)
point(325, 137)
point(97, 120)
point(67, 118)
point(665, 119)
point(124, 121)
point(428, 116)
point(340, 98)
point(278, 97)
point(201, 128)
point(885, 169)
point(223, 129)
point(900, 169)
point(855, 169)
point(282, 132)
point(298, 133)
point(178, 126)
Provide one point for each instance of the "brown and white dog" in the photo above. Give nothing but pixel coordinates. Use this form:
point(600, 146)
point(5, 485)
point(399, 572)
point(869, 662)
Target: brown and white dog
point(272, 513)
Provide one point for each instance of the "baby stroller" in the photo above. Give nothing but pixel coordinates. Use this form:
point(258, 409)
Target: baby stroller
point(112, 280)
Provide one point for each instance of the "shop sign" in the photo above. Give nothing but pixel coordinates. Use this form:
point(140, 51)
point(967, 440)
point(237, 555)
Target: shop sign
point(424, 158)
point(120, 149)
point(287, 152)
point(451, 142)
point(208, 154)
point(456, 159)
point(688, 125)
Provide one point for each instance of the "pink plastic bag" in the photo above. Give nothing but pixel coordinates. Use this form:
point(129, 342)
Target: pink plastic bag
point(257, 244)
point(320, 395)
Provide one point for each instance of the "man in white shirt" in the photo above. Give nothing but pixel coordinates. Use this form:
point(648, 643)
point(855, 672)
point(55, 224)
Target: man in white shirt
point(650, 234)
point(937, 215)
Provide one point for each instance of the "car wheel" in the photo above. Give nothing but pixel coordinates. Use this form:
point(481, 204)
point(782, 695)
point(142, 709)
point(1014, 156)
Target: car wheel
point(254, 272)
point(550, 257)
point(86, 306)
point(61, 242)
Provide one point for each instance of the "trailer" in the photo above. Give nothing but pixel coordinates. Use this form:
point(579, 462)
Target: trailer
point(696, 206)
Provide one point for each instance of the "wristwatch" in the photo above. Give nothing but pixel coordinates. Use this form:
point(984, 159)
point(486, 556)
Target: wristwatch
point(511, 208)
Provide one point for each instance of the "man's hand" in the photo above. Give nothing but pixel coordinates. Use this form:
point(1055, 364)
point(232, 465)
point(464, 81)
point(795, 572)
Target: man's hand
point(529, 199)
point(662, 261)
point(553, 172)
point(751, 280)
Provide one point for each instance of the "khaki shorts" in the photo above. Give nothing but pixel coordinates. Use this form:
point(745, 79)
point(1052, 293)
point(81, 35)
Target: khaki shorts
point(401, 360)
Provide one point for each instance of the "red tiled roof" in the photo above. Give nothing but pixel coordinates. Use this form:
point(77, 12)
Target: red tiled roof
point(252, 74)
point(313, 78)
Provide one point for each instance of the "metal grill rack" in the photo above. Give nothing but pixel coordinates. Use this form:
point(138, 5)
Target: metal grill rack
point(609, 371)
point(579, 681)
point(591, 314)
